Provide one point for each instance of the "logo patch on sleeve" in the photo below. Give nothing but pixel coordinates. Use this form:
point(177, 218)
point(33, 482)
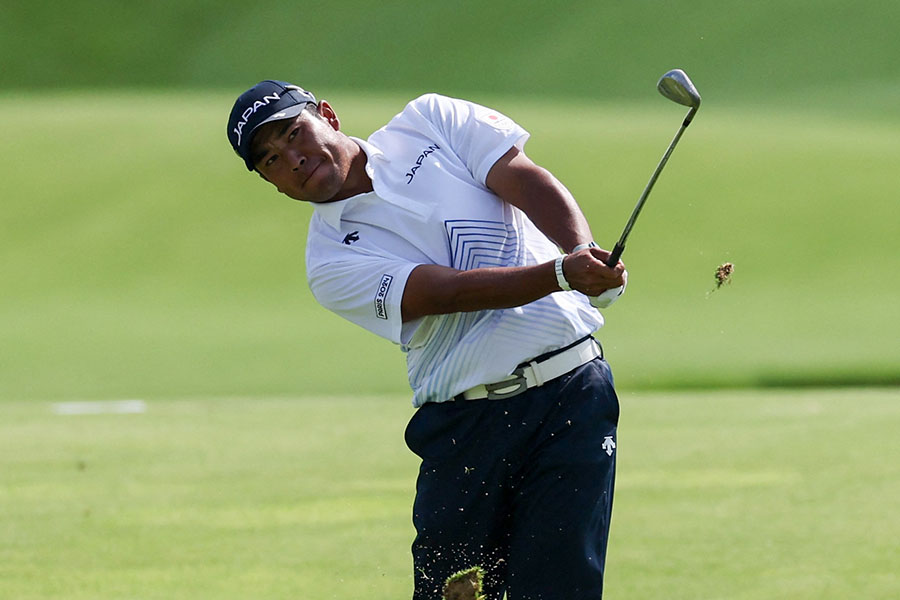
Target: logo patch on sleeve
point(381, 296)
point(497, 121)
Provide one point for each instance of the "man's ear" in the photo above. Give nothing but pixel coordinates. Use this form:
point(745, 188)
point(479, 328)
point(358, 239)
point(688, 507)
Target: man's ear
point(327, 113)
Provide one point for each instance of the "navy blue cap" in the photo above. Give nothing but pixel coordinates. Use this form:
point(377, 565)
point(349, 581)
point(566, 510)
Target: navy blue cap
point(268, 100)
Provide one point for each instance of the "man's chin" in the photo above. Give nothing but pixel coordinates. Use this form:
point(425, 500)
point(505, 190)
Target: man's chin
point(312, 200)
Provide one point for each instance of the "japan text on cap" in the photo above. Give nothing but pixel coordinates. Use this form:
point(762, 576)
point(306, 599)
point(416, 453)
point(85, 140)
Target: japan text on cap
point(268, 100)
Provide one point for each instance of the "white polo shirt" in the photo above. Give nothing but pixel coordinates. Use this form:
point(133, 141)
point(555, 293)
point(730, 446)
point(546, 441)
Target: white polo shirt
point(430, 205)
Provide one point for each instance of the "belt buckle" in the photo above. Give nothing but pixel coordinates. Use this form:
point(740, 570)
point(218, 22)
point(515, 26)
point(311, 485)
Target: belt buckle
point(520, 383)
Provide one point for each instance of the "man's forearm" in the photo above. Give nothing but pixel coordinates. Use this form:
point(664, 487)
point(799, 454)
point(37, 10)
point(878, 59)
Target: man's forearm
point(434, 289)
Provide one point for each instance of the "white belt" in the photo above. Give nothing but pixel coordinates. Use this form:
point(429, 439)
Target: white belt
point(534, 373)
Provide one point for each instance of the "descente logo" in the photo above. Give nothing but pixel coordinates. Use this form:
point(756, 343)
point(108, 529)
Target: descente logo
point(426, 152)
point(381, 296)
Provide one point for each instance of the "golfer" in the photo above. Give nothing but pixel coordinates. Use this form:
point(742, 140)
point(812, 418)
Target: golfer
point(441, 235)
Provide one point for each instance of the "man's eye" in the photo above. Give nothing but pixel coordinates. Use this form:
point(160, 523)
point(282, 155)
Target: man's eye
point(293, 134)
point(271, 160)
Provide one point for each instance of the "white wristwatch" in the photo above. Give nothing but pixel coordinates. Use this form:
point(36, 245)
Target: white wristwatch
point(560, 276)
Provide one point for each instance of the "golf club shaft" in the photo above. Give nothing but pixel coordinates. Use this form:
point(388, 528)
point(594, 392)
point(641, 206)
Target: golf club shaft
point(620, 245)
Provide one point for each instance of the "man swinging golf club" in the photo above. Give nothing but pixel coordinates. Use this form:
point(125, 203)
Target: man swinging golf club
point(441, 235)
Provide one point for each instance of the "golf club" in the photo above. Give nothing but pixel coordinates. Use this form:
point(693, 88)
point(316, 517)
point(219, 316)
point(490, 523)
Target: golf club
point(677, 87)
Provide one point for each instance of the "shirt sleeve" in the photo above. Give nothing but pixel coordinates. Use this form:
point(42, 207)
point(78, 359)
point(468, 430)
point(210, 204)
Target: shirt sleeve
point(362, 287)
point(478, 135)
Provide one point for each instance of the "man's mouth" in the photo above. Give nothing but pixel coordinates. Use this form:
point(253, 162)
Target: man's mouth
point(310, 173)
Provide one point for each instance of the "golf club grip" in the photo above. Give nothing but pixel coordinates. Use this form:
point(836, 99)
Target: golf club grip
point(615, 255)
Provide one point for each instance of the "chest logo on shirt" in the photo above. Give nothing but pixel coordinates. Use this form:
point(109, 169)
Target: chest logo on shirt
point(351, 237)
point(412, 172)
point(476, 244)
point(381, 296)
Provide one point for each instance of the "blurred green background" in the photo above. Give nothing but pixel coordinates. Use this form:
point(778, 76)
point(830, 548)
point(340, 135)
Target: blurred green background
point(140, 260)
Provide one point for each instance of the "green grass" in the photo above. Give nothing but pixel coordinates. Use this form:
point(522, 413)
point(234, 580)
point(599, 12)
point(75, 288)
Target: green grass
point(727, 495)
point(140, 259)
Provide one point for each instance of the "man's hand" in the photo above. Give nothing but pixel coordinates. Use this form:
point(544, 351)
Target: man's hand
point(586, 271)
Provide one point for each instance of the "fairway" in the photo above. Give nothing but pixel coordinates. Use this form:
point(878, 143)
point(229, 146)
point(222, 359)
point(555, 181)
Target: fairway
point(731, 495)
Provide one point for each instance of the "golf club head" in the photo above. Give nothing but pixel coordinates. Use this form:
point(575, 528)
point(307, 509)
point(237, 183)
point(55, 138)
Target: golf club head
point(677, 87)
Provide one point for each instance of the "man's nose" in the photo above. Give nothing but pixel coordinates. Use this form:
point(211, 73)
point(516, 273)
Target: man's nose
point(298, 160)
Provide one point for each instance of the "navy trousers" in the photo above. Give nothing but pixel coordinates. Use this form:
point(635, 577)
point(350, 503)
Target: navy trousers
point(522, 487)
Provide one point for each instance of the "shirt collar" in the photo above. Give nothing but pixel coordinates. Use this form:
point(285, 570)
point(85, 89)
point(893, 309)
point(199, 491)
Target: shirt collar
point(331, 212)
point(371, 152)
